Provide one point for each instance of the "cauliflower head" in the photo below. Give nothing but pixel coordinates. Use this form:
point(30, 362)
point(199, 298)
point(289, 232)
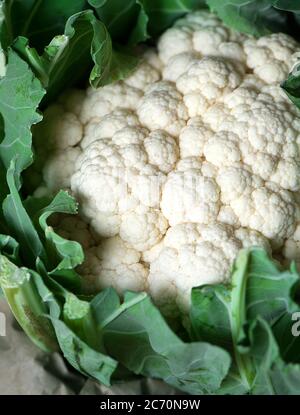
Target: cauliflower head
point(192, 157)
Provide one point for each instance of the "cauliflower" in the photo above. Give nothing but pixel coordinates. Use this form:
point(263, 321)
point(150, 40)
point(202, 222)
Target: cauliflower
point(191, 158)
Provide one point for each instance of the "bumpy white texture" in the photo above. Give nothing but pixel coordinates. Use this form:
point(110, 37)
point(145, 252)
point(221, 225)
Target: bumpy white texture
point(114, 264)
point(192, 157)
point(194, 253)
point(120, 178)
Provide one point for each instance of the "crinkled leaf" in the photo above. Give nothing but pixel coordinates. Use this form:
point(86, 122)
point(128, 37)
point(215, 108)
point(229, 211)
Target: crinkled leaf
point(20, 95)
point(219, 313)
point(66, 254)
point(63, 255)
point(79, 354)
point(273, 376)
point(85, 43)
point(136, 334)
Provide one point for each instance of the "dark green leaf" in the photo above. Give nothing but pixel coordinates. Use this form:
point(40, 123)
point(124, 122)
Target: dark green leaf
point(85, 42)
point(163, 13)
point(125, 22)
point(292, 85)
point(290, 5)
point(255, 17)
point(38, 20)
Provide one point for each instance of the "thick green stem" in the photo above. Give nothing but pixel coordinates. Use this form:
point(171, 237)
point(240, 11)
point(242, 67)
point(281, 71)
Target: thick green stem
point(26, 304)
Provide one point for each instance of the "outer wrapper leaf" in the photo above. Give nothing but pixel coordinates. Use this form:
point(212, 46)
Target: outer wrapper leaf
point(38, 20)
point(20, 95)
point(141, 19)
point(85, 43)
point(255, 17)
point(222, 315)
point(292, 85)
point(136, 335)
point(125, 24)
point(20, 290)
point(77, 351)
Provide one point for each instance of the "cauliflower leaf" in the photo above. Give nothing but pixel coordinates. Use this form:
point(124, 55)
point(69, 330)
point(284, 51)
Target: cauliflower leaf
point(246, 319)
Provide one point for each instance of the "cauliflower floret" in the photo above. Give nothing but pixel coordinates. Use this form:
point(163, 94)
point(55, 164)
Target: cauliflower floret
point(113, 264)
point(59, 129)
point(194, 255)
point(192, 157)
point(162, 108)
point(193, 137)
point(115, 176)
point(261, 206)
point(59, 168)
point(250, 238)
point(142, 228)
point(189, 196)
point(151, 56)
point(261, 133)
point(143, 76)
point(107, 126)
point(102, 101)
point(175, 41)
point(205, 81)
point(269, 56)
point(178, 65)
point(227, 215)
point(162, 150)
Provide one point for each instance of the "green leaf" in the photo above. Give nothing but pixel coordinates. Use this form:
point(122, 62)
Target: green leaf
point(63, 255)
point(9, 247)
point(18, 221)
point(19, 288)
point(136, 335)
point(20, 95)
point(290, 5)
point(38, 20)
point(255, 17)
point(40, 315)
point(292, 85)
point(219, 313)
point(70, 252)
point(273, 376)
point(66, 255)
point(125, 23)
point(85, 42)
point(163, 13)
point(140, 19)
point(77, 351)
